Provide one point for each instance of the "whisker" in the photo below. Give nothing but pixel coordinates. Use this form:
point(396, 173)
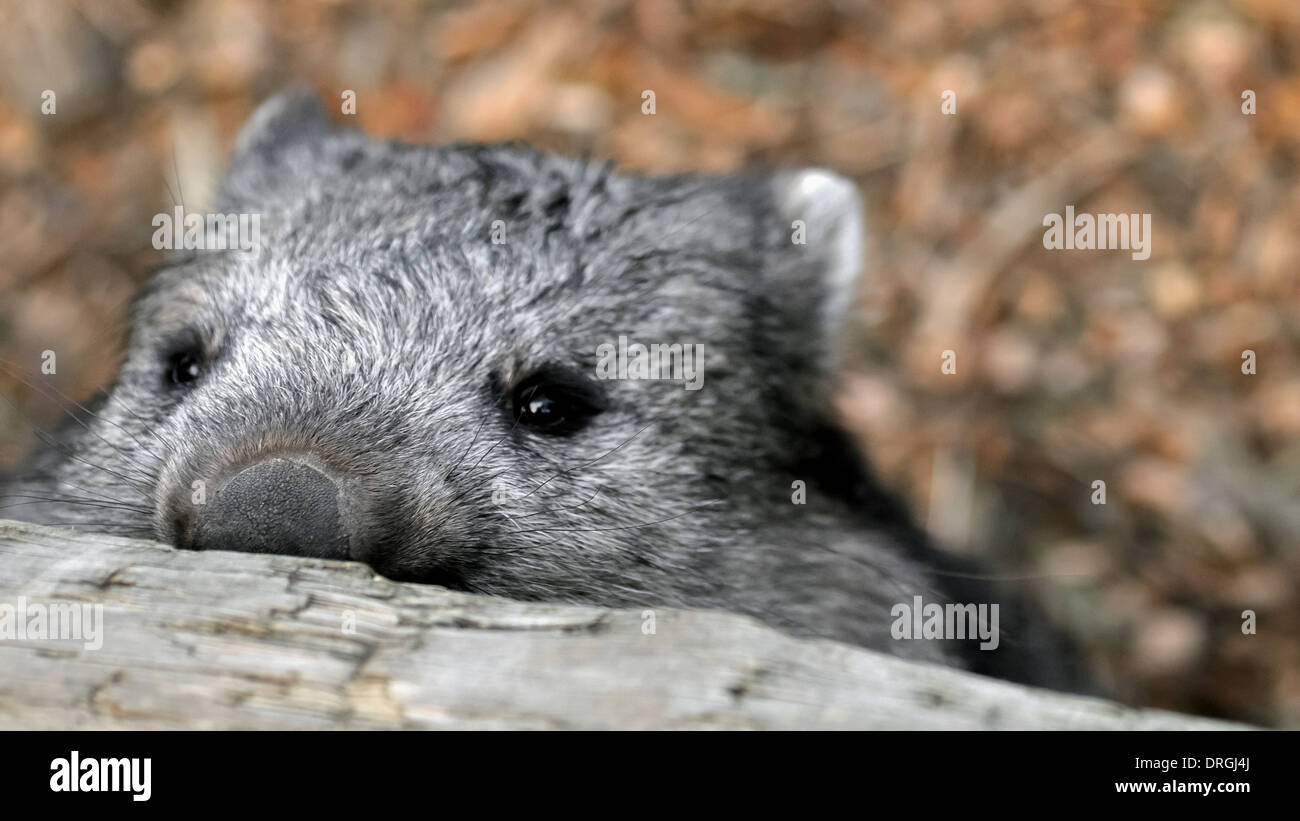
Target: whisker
point(93, 495)
point(138, 485)
point(36, 500)
point(625, 527)
point(466, 451)
point(11, 370)
point(494, 445)
point(589, 463)
point(102, 527)
point(561, 509)
point(50, 440)
point(465, 492)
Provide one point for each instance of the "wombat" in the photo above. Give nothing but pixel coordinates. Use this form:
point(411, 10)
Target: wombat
point(405, 372)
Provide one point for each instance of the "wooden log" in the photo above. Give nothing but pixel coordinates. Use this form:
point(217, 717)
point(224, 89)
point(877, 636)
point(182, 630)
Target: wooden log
point(218, 640)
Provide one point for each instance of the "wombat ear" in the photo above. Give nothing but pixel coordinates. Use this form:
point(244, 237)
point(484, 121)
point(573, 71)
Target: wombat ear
point(279, 130)
point(823, 219)
point(291, 116)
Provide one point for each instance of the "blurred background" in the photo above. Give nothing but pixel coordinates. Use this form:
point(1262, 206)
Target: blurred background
point(1072, 366)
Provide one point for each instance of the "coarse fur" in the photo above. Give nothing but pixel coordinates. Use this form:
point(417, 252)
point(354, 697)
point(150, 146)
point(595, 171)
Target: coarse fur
point(378, 329)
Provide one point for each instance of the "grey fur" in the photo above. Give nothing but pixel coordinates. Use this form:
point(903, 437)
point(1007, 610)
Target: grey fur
point(381, 253)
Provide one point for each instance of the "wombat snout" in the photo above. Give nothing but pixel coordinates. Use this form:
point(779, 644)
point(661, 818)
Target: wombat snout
point(276, 505)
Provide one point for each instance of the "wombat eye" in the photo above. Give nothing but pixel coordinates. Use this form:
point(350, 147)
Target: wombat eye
point(184, 368)
point(555, 402)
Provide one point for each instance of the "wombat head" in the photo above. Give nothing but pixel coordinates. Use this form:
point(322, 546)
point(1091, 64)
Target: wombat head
point(419, 366)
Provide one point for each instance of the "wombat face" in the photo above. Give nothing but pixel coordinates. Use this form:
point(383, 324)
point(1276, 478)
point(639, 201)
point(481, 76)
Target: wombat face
point(418, 366)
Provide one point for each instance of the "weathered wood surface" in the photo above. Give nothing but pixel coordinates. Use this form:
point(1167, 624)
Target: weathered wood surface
point(230, 640)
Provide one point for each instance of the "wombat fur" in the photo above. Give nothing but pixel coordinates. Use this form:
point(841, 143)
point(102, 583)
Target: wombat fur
point(380, 338)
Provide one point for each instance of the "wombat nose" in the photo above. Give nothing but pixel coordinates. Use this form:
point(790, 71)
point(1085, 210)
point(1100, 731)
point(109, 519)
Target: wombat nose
point(279, 505)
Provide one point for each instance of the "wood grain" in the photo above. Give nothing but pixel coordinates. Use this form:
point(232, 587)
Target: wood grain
point(231, 640)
